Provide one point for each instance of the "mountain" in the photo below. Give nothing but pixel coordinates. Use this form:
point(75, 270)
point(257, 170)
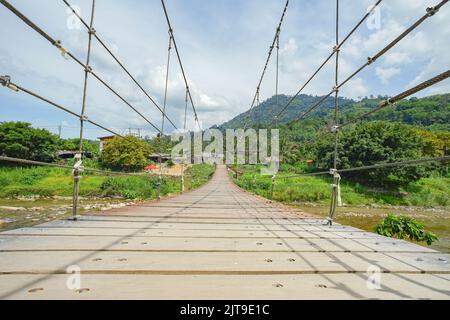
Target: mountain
point(264, 113)
point(431, 112)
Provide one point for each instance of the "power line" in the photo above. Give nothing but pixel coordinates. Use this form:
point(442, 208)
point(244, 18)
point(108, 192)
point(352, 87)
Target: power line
point(102, 43)
point(180, 63)
point(66, 52)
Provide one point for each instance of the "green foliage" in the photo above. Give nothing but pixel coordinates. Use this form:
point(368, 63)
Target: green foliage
point(372, 143)
point(47, 182)
point(89, 147)
point(263, 113)
point(128, 153)
point(138, 187)
point(198, 175)
point(427, 192)
point(170, 163)
point(161, 144)
point(20, 140)
point(402, 227)
point(415, 128)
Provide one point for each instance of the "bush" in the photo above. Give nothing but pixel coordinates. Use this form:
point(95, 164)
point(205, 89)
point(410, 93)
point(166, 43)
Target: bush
point(402, 227)
point(138, 187)
point(128, 153)
point(20, 140)
point(377, 142)
point(198, 175)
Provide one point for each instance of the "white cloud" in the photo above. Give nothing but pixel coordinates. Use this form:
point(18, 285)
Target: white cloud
point(397, 58)
point(355, 88)
point(385, 74)
point(224, 61)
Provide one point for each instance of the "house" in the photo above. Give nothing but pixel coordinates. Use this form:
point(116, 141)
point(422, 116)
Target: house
point(103, 140)
point(62, 154)
point(164, 157)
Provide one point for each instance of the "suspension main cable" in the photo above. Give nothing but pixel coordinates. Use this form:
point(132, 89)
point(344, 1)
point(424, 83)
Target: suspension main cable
point(430, 12)
point(180, 62)
point(382, 105)
point(335, 49)
point(6, 82)
point(371, 167)
point(62, 166)
point(64, 51)
point(102, 43)
point(275, 43)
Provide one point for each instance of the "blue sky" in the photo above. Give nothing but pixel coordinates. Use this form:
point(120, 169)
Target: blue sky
point(223, 43)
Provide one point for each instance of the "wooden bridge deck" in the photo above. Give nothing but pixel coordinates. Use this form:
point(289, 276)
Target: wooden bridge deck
point(217, 242)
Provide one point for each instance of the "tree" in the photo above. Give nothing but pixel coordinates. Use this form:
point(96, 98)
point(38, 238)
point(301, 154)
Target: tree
point(372, 143)
point(89, 147)
point(20, 140)
point(128, 153)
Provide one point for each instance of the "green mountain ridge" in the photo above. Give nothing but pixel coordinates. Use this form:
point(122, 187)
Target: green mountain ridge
point(431, 112)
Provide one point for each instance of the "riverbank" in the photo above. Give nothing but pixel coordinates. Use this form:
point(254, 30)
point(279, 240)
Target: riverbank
point(34, 195)
point(426, 200)
point(436, 220)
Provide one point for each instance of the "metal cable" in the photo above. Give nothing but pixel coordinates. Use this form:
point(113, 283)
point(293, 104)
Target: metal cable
point(430, 12)
point(66, 52)
point(79, 158)
point(336, 81)
point(274, 43)
point(400, 96)
point(384, 104)
point(180, 62)
point(118, 62)
point(277, 71)
point(370, 167)
point(86, 76)
point(336, 178)
point(62, 166)
point(326, 61)
point(60, 107)
point(164, 109)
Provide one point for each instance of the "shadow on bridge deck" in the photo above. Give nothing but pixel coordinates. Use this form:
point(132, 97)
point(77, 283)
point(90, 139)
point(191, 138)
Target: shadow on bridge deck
point(216, 242)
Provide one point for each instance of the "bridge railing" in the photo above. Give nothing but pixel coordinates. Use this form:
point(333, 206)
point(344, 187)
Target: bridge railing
point(78, 168)
point(336, 127)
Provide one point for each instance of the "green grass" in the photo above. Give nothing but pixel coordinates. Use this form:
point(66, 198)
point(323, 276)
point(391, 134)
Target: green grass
point(198, 175)
point(48, 182)
point(429, 192)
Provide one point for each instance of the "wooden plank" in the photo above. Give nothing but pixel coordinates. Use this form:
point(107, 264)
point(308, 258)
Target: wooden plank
point(77, 231)
point(234, 287)
point(218, 262)
point(215, 242)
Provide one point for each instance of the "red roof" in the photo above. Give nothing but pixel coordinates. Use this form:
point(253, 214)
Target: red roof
point(151, 167)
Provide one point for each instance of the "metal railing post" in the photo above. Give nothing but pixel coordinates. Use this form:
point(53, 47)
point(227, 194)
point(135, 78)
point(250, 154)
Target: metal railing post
point(182, 178)
point(272, 187)
point(78, 166)
point(335, 128)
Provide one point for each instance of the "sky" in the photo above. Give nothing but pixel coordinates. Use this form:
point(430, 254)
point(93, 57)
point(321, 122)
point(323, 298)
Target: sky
point(223, 46)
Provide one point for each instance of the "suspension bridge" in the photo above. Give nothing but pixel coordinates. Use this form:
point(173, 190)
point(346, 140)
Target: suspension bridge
point(217, 242)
